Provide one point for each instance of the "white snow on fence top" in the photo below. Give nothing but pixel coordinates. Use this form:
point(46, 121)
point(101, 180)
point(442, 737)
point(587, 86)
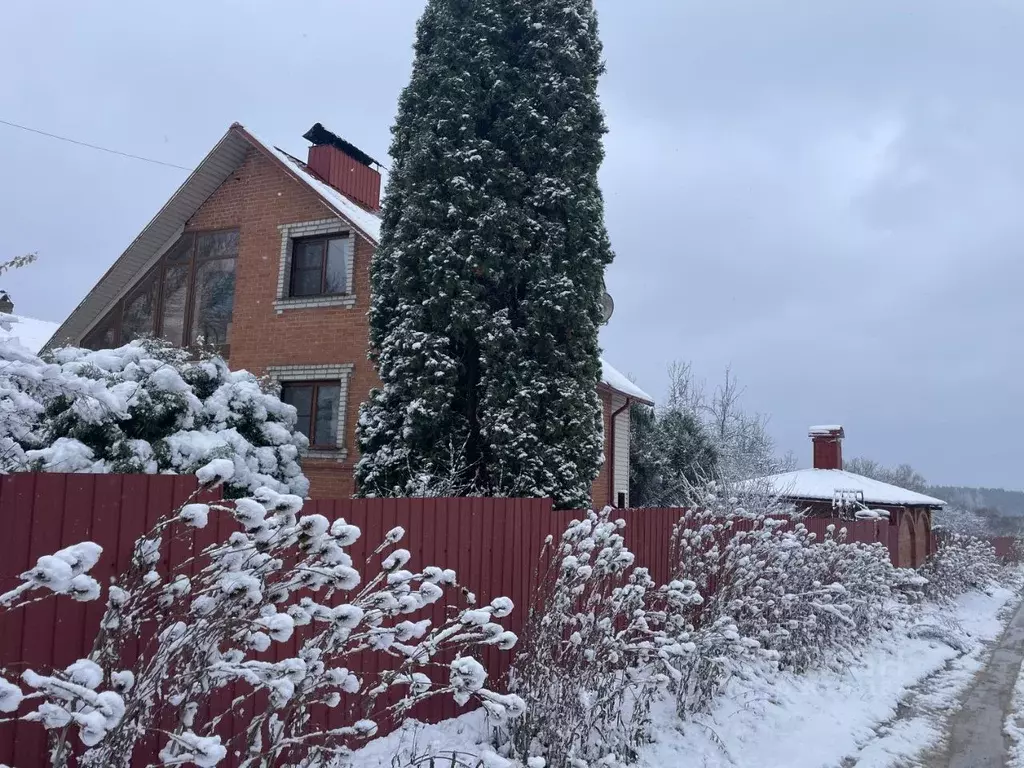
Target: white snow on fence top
point(823, 484)
point(825, 429)
point(32, 333)
point(612, 378)
point(359, 217)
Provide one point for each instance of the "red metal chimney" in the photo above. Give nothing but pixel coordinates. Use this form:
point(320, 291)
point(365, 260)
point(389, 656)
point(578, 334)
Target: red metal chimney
point(828, 446)
point(344, 166)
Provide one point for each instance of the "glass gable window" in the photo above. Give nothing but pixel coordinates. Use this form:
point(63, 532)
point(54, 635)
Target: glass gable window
point(139, 314)
point(188, 297)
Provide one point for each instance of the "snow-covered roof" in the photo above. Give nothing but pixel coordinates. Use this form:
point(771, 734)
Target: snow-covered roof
point(368, 223)
point(33, 334)
point(167, 225)
point(824, 484)
point(612, 378)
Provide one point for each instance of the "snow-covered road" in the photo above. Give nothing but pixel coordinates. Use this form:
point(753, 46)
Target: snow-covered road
point(975, 733)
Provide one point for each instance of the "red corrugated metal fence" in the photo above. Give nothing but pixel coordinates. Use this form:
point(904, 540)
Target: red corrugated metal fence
point(494, 545)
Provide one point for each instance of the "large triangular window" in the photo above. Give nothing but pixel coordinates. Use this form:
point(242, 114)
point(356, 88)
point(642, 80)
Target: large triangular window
point(186, 299)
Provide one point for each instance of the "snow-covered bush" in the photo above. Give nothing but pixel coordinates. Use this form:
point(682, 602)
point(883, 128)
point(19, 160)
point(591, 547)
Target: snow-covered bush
point(795, 596)
point(602, 640)
point(144, 407)
point(960, 563)
point(66, 698)
point(280, 578)
point(27, 384)
point(698, 653)
point(585, 671)
point(65, 572)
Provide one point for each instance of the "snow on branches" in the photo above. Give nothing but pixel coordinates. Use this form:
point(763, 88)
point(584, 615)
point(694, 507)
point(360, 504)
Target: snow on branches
point(602, 640)
point(797, 597)
point(144, 407)
point(282, 583)
point(67, 698)
point(960, 563)
point(587, 650)
point(65, 572)
point(487, 285)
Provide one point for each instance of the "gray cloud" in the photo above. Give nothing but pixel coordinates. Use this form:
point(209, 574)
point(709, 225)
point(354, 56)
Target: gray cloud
point(825, 195)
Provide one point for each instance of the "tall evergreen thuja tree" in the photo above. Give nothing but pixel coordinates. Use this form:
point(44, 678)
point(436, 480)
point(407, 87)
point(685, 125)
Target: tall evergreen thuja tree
point(488, 279)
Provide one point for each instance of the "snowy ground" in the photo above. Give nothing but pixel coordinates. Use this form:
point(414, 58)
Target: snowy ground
point(873, 710)
point(1014, 727)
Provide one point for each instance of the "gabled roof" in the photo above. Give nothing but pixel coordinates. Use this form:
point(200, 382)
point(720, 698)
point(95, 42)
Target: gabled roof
point(824, 484)
point(616, 381)
point(214, 169)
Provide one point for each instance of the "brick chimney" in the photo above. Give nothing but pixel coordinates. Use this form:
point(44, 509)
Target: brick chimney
point(344, 166)
point(828, 446)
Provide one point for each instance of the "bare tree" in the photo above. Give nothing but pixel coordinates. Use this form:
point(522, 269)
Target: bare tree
point(742, 442)
point(903, 475)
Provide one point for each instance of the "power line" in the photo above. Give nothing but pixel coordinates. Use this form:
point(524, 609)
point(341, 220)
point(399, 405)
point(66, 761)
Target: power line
point(93, 146)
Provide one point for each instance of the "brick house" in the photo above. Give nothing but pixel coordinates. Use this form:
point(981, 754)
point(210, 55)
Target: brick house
point(827, 488)
point(267, 258)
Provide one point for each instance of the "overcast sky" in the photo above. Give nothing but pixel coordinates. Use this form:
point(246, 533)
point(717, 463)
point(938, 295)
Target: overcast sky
point(827, 195)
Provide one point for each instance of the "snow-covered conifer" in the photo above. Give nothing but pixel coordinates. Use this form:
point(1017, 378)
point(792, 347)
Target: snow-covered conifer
point(487, 283)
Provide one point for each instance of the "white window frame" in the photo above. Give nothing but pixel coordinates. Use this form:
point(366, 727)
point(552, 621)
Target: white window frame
point(342, 373)
point(322, 228)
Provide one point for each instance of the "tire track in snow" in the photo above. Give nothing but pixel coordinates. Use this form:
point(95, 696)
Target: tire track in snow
point(976, 731)
point(931, 724)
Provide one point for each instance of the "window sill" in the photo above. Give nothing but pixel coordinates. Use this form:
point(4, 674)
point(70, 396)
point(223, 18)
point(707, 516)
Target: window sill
point(336, 454)
point(313, 302)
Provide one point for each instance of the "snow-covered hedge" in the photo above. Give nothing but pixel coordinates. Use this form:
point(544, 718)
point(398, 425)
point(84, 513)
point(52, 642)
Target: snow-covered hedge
point(588, 651)
point(144, 407)
point(603, 640)
point(796, 596)
point(960, 563)
point(207, 620)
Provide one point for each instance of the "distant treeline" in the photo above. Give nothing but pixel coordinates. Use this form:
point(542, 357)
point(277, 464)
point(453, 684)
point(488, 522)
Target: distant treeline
point(997, 500)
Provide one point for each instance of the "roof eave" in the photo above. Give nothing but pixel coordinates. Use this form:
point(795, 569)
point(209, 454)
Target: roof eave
point(606, 387)
point(822, 500)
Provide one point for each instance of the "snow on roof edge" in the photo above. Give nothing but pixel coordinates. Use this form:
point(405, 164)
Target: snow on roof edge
point(368, 223)
point(824, 429)
point(822, 485)
point(611, 377)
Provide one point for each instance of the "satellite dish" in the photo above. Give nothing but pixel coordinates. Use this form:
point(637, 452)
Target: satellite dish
point(607, 307)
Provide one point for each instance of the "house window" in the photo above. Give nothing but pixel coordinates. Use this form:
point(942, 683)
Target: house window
point(318, 404)
point(189, 295)
point(319, 392)
point(317, 262)
point(319, 266)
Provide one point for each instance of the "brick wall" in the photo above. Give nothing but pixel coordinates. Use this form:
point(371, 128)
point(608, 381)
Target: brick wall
point(915, 537)
point(258, 199)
